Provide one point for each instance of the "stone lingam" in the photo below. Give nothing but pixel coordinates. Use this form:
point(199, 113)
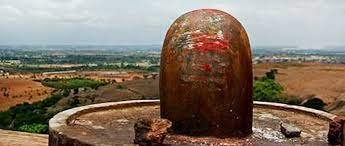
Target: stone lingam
point(205, 99)
point(206, 75)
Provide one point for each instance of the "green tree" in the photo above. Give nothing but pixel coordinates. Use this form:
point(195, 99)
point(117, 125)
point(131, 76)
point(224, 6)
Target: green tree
point(267, 90)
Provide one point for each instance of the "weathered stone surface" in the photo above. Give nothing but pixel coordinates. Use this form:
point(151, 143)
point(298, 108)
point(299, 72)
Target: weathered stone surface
point(118, 119)
point(206, 75)
point(290, 130)
point(151, 131)
point(336, 131)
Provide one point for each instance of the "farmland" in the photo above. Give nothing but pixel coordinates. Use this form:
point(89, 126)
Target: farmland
point(16, 91)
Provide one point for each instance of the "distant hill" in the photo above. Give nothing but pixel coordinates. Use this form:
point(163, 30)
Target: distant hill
point(120, 48)
point(262, 50)
point(156, 47)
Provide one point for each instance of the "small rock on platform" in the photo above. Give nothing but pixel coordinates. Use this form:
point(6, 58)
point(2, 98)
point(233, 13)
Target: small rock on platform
point(151, 131)
point(290, 130)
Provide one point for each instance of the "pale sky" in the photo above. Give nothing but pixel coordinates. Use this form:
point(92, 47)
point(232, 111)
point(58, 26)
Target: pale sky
point(306, 23)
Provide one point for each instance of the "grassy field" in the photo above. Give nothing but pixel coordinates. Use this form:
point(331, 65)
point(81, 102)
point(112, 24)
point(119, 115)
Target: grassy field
point(326, 81)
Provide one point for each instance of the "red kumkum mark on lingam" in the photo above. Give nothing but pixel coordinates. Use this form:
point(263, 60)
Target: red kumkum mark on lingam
point(209, 42)
point(198, 78)
point(206, 67)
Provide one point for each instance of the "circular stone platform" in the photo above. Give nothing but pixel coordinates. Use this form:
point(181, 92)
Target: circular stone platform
point(112, 124)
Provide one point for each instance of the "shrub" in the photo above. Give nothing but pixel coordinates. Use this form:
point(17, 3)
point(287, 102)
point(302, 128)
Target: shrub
point(34, 128)
point(290, 99)
point(26, 117)
point(74, 102)
point(294, 101)
point(153, 69)
point(119, 87)
point(73, 83)
point(267, 90)
point(6, 119)
point(271, 74)
point(66, 92)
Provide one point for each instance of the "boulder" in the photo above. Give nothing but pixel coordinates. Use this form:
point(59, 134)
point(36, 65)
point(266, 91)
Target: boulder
point(336, 133)
point(151, 131)
point(290, 130)
point(314, 102)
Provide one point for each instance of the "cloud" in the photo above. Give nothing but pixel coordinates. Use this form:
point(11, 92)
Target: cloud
point(268, 22)
point(50, 11)
point(10, 13)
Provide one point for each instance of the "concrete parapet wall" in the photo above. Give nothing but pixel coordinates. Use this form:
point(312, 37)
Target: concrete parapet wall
point(57, 137)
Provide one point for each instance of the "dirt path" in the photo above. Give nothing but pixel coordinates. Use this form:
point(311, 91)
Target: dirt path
point(13, 138)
